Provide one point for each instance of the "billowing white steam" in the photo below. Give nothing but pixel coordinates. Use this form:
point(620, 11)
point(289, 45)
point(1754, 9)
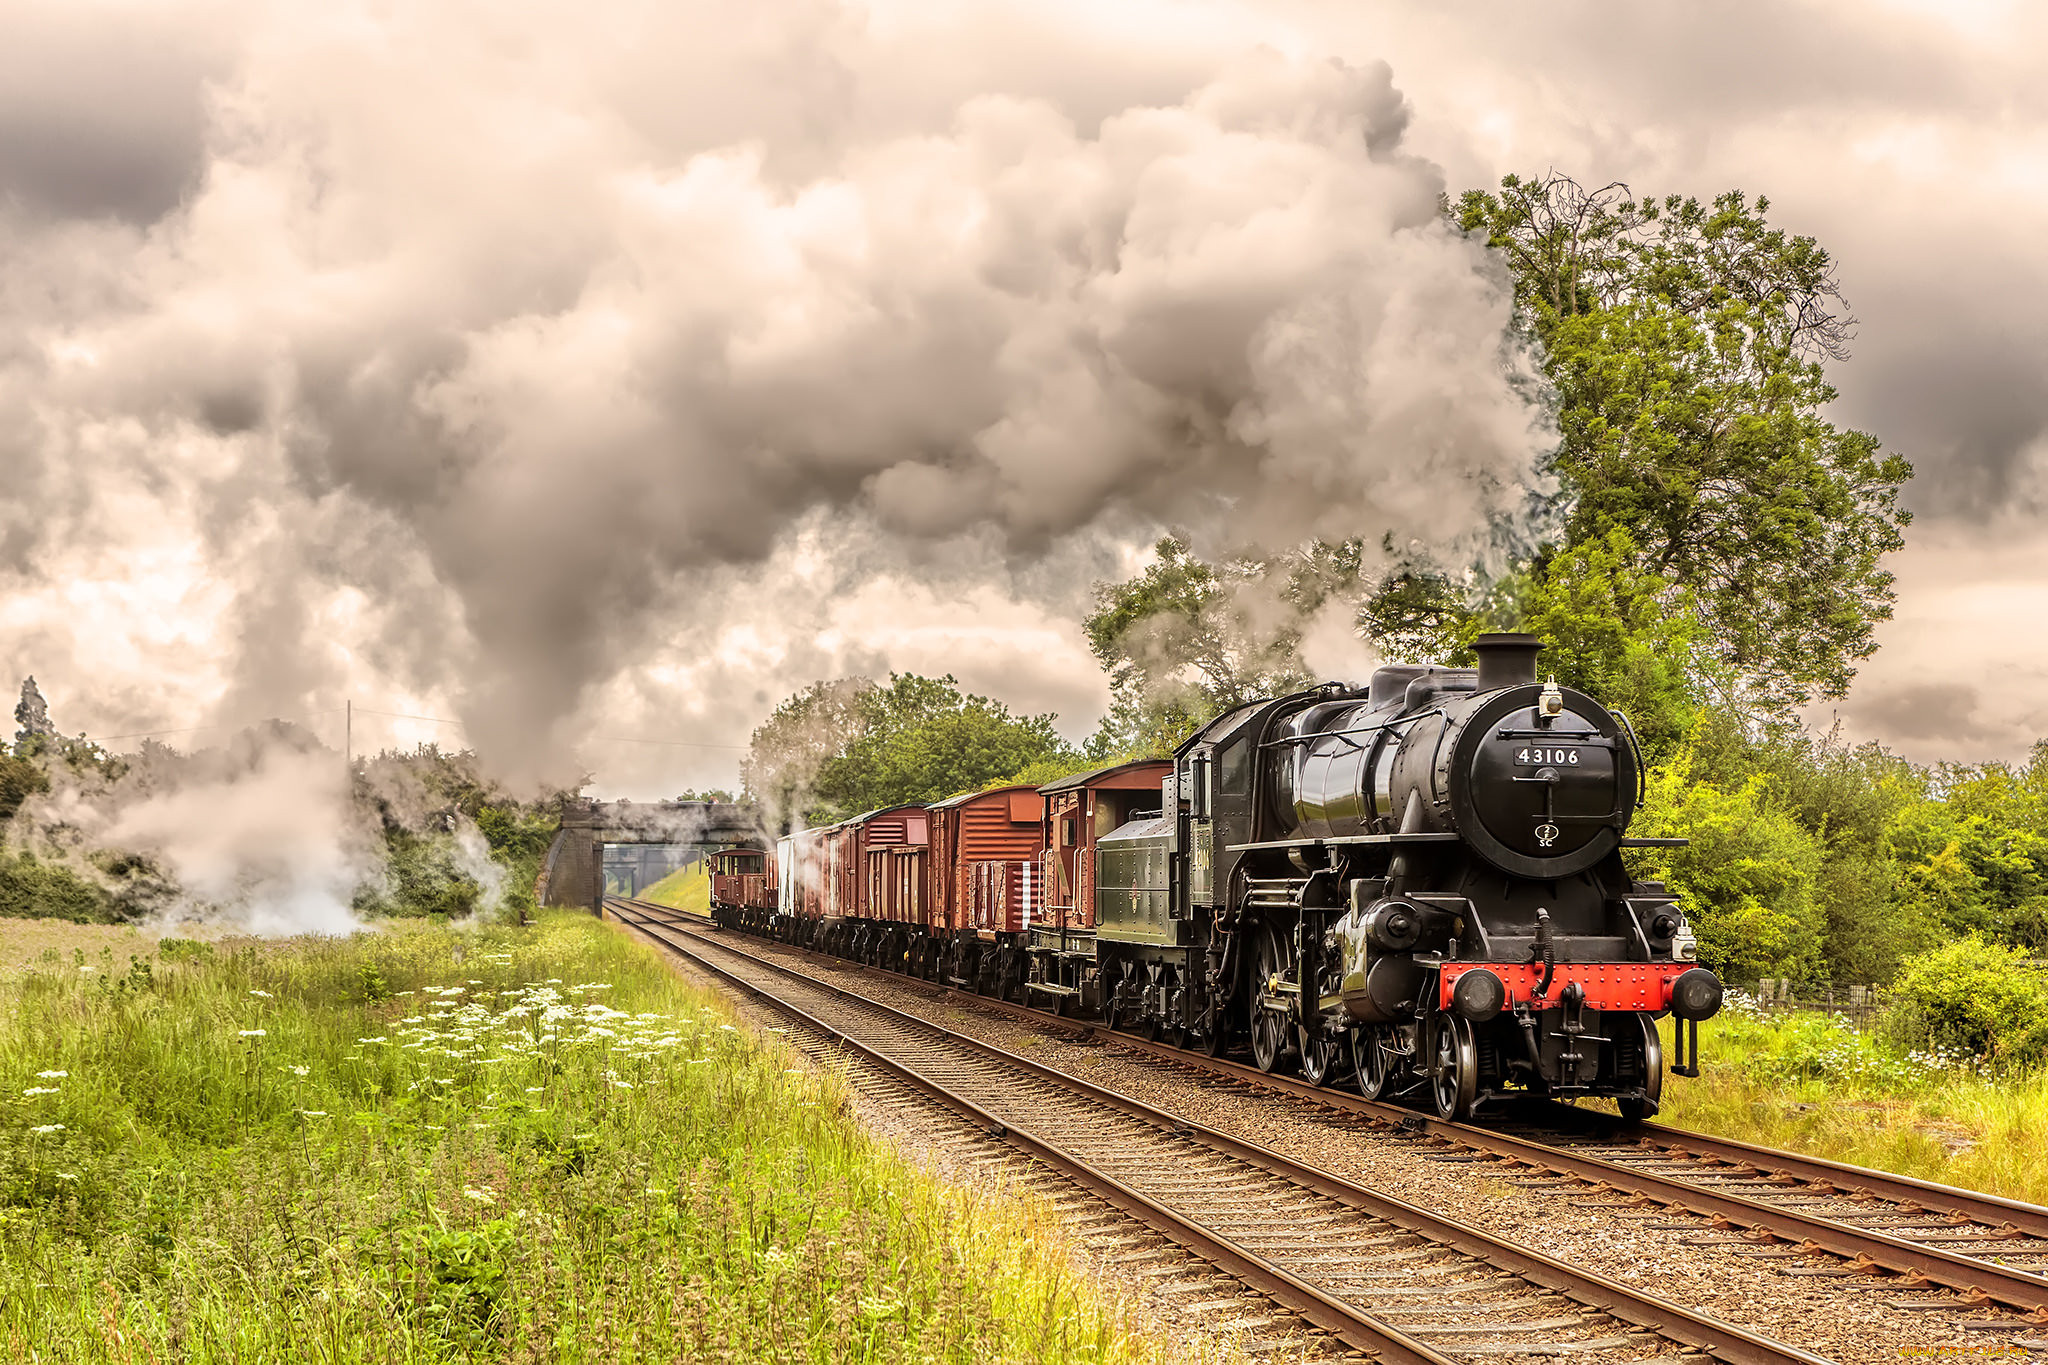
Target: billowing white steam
point(478, 345)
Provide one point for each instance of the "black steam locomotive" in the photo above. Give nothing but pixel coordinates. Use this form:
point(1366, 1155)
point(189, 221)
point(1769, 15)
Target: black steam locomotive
point(1419, 882)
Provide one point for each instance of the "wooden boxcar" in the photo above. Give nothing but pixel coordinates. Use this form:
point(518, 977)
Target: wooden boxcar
point(987, 882)
point(743, 889)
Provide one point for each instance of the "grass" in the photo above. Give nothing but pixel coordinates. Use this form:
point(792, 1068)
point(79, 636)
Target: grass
point(1812, 1084)
point(517, 1144)
point(24, 942)
point(687, 888)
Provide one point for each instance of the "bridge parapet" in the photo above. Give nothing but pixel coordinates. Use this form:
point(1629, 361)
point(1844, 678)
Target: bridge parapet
point(574, 871)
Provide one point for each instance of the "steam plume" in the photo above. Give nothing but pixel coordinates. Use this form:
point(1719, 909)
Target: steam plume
point(483, 345)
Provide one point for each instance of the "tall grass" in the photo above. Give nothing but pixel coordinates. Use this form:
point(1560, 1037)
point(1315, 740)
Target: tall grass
point(687, 888)
point(513, 1144)
point(1815, 1084)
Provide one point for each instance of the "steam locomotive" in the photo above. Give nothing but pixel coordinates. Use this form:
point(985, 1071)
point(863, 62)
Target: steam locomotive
point(1418, 885)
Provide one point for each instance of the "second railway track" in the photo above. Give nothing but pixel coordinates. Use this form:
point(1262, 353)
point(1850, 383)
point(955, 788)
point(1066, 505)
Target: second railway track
point(1990, 1250)
point(1383, 1277)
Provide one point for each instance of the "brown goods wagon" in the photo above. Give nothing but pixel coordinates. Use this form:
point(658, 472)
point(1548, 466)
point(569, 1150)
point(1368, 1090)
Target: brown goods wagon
point(893, 848)
point(1078, 811)
point(739, 877)
point(840, 846)
point(987, 874)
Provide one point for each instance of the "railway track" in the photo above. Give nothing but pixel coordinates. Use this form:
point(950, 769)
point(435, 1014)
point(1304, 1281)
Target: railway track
point(1992, 1252)
point(1379, 1276)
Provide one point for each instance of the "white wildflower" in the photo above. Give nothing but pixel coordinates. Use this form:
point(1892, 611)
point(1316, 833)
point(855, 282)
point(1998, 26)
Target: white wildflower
point(313, 1113)
point(67, 1175)
point(47, 1129)
point(40, 1090)
point(480, 1196)
point(51, 1075)
point(261, 995)
point(255, 1033)
point(300, 1071)
point(373, 1040)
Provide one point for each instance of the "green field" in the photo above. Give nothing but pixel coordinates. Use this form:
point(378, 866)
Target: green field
point(437, 1144)
point(1813, 1084)
point(687, 888)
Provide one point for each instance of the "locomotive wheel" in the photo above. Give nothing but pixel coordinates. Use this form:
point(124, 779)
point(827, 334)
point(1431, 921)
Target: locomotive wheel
point(1369, 1060)
point(1272, 1033)
point(1115, 1017)
point(1454, 1067)
point(1320, 1056)
point(1636, 1110)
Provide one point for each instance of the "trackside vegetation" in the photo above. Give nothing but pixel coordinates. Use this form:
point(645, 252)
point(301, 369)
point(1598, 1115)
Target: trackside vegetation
point(519, 1144)
point(1873, 1097)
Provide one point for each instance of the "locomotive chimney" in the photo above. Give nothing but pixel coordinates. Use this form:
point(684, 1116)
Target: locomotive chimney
point(1506, 659)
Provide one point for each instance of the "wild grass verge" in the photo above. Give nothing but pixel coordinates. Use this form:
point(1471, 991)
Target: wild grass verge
point(1814, 1084)
point(506, 1144)
point(687, 888)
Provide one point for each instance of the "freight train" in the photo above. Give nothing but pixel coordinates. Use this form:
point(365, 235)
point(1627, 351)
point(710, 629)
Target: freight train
point(1417, 885)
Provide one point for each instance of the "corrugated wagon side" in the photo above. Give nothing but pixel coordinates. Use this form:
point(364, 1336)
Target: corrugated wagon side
point(988, 885)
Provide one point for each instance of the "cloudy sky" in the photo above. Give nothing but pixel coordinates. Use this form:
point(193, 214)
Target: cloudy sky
point(591, 377)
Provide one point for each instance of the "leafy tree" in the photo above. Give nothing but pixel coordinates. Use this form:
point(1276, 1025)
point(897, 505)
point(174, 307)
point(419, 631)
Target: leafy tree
point(1609, 628)
point(19, 780)
point(843, 747)
point(1686, 344)
point(1748, 880)
point(922, 739)
point(1186, 640)
point(786, 751)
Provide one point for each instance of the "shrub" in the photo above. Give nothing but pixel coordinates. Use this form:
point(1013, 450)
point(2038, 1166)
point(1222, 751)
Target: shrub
point(1975, 995)
point(33, 889)
point(1746, 881)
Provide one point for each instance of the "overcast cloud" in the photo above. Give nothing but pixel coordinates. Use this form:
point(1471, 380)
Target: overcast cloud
point(593, 375)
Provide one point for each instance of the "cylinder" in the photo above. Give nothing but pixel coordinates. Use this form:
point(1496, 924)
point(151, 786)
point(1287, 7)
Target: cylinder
point(1506, 660)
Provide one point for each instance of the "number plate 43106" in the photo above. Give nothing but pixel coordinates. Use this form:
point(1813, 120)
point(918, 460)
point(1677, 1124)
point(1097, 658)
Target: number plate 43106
point(1547, 758)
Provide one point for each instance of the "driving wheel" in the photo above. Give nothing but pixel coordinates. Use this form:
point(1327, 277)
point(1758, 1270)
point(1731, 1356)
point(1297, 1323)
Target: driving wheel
point(1638, 1108)
point(1272, 1031)
point(1320, 1055)
point(1370, 1061)
point(1454, 1067)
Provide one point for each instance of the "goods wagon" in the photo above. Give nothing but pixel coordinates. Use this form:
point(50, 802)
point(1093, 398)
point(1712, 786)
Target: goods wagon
point(987, 883)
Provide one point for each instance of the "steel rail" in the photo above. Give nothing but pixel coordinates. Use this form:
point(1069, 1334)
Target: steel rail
point(1723, 1341)
point(1868, 1250)
point(1359, 1331)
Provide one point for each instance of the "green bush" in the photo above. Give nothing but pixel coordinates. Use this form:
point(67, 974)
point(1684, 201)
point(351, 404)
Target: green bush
point(1747, 880)
point(1974, 995)
point(33, 889)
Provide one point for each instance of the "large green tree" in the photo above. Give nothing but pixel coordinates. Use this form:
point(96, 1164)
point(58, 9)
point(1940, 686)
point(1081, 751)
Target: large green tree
point(1687, 346)
point(786, 750)
point(843, 747)
point(1717, 538)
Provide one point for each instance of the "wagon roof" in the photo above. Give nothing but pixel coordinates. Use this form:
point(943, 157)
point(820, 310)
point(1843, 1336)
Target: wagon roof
point(886, 810)
point(1100, 776)
point(964, 797)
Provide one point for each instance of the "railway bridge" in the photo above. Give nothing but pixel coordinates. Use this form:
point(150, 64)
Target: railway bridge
point(635, 837)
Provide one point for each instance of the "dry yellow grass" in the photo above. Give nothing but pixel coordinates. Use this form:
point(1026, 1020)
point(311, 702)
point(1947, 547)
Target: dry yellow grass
point(24, 942)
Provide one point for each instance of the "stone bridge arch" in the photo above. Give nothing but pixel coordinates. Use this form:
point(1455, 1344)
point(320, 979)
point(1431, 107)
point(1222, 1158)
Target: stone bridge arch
point(574, 871)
